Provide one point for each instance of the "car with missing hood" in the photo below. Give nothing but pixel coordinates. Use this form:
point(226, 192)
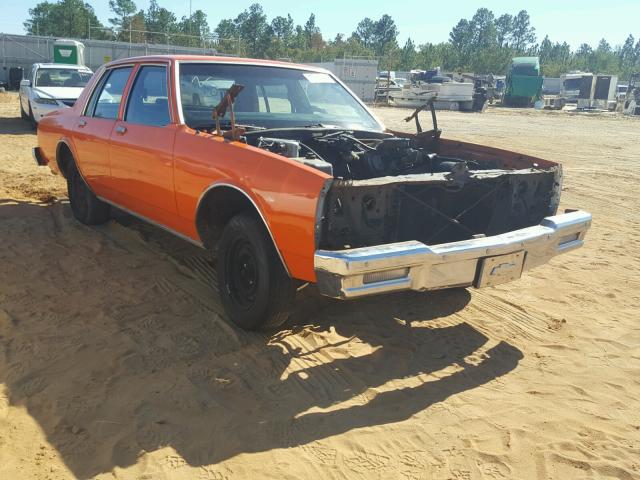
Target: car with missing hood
point(49, 87)
point(287, 178)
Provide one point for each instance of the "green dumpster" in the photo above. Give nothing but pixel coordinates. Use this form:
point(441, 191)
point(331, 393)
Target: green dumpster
point(68, 51)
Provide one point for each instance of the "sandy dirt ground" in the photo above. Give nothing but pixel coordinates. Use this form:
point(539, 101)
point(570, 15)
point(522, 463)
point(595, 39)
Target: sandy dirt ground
point(116, 361)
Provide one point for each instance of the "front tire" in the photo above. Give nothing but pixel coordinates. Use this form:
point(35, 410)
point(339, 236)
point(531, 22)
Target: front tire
point(255, 290)
point(23, 114)
point(86, 207)
point(32, 119)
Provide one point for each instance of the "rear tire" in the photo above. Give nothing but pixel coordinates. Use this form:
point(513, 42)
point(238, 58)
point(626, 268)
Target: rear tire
point(86, 207)
point(255, 290)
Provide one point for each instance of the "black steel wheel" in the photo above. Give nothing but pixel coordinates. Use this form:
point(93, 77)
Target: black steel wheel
point(86, 207)
point(255, 290)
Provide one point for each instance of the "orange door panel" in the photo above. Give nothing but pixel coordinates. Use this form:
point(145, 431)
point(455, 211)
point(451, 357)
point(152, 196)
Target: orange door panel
point(93, 130)
point(91, 141)
point(142, 170)
point(141, 154)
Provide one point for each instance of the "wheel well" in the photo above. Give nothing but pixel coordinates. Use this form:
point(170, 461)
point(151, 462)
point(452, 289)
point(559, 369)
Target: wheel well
point(216, 208)
point(64, 158)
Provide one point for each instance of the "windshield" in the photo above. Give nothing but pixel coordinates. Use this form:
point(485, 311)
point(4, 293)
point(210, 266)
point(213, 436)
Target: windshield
point(273, 97)
point(61, 77)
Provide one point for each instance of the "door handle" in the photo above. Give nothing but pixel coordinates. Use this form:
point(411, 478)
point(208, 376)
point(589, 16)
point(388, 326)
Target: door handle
point(121, 129)
point(82, 123)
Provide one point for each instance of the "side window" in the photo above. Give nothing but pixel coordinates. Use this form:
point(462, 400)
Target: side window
point(106, 98)
point(148, 102)
point(274, 98)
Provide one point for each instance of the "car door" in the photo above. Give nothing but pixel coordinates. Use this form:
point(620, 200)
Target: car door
point(93, 128)
point(141, 151)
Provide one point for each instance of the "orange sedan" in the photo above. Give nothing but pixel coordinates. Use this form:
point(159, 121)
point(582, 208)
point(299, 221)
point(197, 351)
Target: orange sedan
point(286, 177)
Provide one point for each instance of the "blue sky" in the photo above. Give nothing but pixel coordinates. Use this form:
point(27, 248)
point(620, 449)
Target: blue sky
point(574, 21)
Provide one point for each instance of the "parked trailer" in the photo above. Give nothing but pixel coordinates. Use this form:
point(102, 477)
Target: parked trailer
point(569, 90)
point(598, 92)
point(359, 74)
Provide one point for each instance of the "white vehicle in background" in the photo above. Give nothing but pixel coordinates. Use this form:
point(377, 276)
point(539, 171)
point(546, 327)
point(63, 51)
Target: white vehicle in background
point(621, 92)
point(49, 87)
point(204, 92)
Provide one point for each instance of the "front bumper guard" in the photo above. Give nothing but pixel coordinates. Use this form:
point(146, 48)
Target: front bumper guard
point(36, 153)
point(479, 262)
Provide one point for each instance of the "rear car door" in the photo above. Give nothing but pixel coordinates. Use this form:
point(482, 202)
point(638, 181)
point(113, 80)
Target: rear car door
point(141, 153)
point(94, 126)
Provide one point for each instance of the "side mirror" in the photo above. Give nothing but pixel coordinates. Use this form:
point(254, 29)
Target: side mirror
point(25, 83)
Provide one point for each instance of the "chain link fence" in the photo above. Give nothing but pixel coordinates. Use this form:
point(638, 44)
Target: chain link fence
point(25, 50)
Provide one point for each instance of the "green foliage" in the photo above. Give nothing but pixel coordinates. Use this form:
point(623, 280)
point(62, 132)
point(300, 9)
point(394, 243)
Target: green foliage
point(380, 36)
point(194, 29)
point(522, 34)
point(161, 22)
point(485, 43)
point(65, 18)
point(123, 10)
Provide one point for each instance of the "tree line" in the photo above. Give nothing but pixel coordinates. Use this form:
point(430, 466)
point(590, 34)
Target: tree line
point(484, 43)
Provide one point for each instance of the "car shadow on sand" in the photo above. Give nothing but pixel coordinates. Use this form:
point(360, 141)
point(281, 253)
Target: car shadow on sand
point(113, 340)
point(15, 126)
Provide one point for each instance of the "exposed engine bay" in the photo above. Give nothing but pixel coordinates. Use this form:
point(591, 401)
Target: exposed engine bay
point(391, 187)
point(343, 155)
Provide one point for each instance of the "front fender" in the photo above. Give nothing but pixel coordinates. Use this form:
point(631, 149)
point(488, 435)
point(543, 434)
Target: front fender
point(285, 192)
point(289, 200)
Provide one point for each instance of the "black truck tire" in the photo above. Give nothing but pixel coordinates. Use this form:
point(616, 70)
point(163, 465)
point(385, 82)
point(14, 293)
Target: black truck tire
point(255, 290)
point(86, 207)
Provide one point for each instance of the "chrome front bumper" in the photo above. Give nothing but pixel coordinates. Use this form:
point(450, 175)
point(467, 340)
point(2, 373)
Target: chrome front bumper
point(479, 262)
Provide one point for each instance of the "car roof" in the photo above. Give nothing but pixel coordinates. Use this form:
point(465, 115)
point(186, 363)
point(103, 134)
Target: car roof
point(62, 65)
point(217, 59)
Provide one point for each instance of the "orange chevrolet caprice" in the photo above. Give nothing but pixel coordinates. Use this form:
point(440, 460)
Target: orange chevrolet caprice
point(286, 177)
